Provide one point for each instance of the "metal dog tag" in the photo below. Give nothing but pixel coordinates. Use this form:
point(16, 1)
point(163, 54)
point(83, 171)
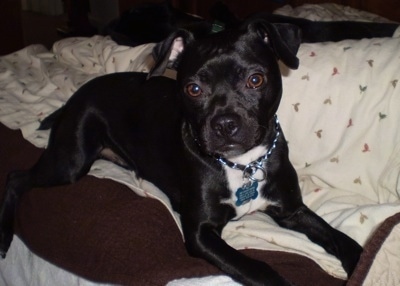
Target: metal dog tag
point(246, 193)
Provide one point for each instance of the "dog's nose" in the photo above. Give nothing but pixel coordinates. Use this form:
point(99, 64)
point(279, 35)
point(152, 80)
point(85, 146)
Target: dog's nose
point(226, 125)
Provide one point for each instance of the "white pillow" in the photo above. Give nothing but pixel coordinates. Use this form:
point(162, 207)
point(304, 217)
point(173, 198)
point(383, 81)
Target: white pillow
point(340, 112)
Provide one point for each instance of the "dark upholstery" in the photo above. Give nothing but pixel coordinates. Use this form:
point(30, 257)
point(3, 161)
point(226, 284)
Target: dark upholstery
point(101, 230)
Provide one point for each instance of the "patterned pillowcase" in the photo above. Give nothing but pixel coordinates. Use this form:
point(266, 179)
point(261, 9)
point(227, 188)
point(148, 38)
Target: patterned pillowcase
point(340, 112)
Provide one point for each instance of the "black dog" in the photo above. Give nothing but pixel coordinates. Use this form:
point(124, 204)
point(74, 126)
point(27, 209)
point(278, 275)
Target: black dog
point(210, 141)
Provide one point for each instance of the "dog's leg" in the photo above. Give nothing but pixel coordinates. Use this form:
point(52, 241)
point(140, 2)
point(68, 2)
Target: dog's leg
point(17, 183)
point(246, 270)
point(293, 214)
point(318, 231)
point(203, 218)
point(59, 164)
point(207, 243)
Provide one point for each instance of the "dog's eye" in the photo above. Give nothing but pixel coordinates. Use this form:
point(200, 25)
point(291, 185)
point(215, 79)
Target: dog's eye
point(255, 80)
point(193, 90)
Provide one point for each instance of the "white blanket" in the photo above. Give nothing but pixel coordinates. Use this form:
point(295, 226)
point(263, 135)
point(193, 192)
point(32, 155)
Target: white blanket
point(340, 113)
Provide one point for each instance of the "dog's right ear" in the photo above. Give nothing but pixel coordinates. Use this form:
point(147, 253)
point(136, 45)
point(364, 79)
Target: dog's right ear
point(166, 53)
point(284, 39)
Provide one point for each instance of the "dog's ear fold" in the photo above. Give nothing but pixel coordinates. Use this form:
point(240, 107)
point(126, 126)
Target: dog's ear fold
point(284, 39)
point(166, 53)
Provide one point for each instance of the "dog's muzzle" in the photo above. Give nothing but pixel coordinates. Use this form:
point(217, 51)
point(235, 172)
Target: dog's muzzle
point(229, 134)
point(227, 125)
point(253, 168)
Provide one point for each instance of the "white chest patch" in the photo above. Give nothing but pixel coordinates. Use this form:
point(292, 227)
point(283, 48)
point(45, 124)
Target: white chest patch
point(246, 196)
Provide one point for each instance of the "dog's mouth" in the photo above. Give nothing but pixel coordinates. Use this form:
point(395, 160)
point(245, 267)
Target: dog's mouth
point(228, 147)
point(221, 140)
point(230, 150)
point(221, 148)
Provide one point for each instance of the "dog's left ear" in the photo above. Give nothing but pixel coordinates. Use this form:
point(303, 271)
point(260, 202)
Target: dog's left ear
point(166, 53)
point(284, 39)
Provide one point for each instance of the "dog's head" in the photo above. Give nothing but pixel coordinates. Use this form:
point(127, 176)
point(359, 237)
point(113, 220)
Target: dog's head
point(230, 81)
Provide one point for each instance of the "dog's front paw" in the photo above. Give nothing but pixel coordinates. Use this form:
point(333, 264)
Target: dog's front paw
point(262, 274)
point(350, 252)
point(5, 242)
point(280, 282)
point(6, 234)
point(351, 259)
point(268, 281)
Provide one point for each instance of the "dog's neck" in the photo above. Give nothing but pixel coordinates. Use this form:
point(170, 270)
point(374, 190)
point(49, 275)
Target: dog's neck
point(254, 170)
point(252, 162)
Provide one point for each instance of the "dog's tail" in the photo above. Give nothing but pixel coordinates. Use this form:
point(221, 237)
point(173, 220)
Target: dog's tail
point(48, 122)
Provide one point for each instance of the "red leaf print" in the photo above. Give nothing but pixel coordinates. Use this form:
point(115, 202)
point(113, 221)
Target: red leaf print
point(335, 71)
point(350, 123)
point(312, 54)
point(366, 148)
